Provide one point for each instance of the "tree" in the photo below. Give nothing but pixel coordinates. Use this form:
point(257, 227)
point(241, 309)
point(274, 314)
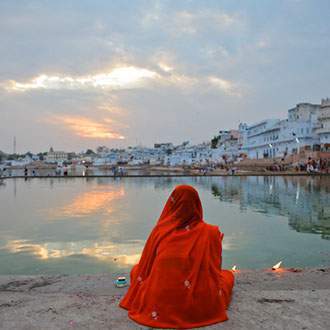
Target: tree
point(90, 152)
point(214, 142)
point(41, 156)
point(101, 149)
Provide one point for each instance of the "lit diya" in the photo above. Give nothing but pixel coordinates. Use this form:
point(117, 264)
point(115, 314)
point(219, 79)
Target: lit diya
point(277, 266)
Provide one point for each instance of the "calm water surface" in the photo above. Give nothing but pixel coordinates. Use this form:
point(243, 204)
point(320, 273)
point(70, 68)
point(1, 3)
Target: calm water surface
point(93, 225)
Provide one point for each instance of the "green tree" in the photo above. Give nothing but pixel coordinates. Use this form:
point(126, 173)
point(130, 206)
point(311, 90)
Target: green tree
point(214, 142)
point(90, 152)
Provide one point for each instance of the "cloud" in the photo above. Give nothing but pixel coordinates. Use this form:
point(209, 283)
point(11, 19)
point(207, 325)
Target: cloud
point(125, 77)
point(120, 78)
point(218, 52)
point(165, 66)
point(227, 86)
point(189, 22)
point(86, 127)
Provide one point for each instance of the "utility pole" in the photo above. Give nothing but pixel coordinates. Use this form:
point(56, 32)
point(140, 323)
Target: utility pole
point(14, 145)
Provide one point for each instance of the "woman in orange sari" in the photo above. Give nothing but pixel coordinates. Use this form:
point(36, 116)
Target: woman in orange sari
point(178, 282)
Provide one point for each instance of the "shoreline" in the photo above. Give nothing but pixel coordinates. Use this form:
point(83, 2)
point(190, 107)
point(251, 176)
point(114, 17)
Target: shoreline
point(164, 175)
point(262, 299)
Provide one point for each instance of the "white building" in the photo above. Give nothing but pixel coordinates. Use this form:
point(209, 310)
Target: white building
point(56, 156)
point(107, 160)
point(277, 138)
point(189, 155)
point(323, 130)
point(164, 146)
point(257, 138)
point(228, 144)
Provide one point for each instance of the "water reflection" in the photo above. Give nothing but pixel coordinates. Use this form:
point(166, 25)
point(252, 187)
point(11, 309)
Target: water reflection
point(304, 200)
point(100, 224)
point(123, 254)
point(87, 203)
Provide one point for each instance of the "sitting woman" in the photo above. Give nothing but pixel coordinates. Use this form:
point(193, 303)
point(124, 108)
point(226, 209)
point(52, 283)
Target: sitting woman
point(178, 282)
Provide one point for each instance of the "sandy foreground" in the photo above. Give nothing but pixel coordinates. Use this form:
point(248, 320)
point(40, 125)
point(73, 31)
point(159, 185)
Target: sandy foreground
point(292, 299)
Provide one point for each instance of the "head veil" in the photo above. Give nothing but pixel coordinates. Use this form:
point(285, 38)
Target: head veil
point(182, 253)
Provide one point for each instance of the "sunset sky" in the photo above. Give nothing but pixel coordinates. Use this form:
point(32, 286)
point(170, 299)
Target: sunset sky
point(78, 74)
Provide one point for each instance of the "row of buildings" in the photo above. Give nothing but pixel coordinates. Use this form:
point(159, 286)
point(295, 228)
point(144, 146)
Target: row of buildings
point(161, 154)
point(307, 127)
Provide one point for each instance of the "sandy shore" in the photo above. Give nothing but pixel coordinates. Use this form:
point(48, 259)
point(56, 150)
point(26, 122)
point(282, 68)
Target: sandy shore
point(262, 300)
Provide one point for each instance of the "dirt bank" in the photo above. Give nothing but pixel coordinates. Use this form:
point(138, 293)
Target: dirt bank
point(262, 300)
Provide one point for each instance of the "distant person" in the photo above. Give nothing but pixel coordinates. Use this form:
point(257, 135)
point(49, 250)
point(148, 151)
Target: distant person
point(179, 281)
point(114, 171)
point(120, 171)
point(25, 171)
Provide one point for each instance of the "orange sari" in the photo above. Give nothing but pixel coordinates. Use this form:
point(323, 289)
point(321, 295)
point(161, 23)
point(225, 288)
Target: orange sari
point(178, 282)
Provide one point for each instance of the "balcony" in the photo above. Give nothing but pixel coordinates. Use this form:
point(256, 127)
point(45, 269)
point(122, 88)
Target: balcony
point(324, 115)
point(323, 130)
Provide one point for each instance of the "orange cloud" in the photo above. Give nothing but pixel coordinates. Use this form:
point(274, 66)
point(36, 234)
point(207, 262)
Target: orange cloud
point(87, 128)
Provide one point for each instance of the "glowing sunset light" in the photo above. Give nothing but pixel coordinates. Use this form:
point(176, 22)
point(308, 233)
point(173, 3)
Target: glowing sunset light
point(117, 78)
point(121, 77)
point(87, 128)
point(277, 266)
point(165, 67)
point(87, 203)
point(152, 66)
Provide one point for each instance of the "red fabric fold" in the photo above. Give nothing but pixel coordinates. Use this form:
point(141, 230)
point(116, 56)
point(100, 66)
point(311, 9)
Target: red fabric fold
point(178, 282)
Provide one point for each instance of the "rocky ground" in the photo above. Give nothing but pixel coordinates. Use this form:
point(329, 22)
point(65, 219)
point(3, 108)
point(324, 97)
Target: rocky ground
point(289, 299)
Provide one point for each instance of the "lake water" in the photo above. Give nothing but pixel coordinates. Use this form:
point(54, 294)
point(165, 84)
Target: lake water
point(94, 225)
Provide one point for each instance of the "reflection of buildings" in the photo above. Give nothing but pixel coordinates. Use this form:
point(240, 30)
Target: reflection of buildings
point(304, 200)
